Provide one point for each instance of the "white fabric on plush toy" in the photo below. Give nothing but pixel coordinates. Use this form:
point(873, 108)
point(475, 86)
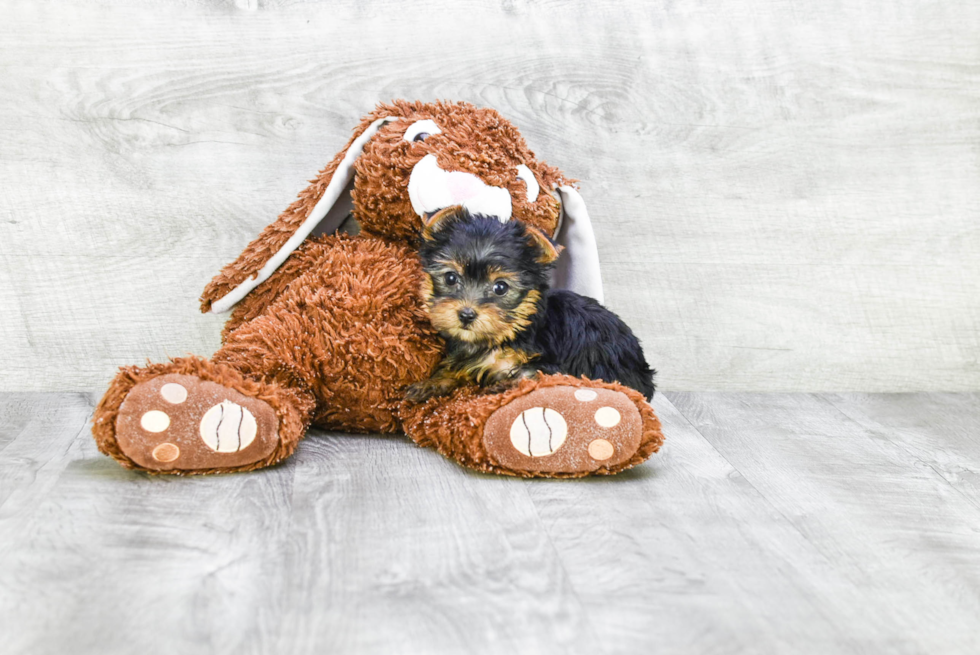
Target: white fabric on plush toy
point(577, 268)
point(343, 175)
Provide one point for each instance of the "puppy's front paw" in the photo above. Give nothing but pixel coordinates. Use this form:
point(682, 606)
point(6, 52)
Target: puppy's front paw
point(435, 386)
point(510, 380)
point(419, 392)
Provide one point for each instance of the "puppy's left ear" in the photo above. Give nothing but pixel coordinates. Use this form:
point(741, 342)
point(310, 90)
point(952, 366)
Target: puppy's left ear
point(434, 224)
point(548, 249)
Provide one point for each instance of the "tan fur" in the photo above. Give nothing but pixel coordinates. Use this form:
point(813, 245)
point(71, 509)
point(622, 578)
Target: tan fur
point(549, 250)
point(498, 365)
point(522, 314)
point(503, 364)
point(492, 325)
point(433, 224)
point(496, 274)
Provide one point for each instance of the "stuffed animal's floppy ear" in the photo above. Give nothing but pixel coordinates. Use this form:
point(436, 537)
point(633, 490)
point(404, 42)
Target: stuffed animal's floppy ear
point(264, 255)
point(548, 249)
point(578, 267)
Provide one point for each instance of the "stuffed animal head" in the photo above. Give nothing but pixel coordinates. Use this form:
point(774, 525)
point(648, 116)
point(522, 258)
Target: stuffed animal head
point(427, 157)
point(405, 162)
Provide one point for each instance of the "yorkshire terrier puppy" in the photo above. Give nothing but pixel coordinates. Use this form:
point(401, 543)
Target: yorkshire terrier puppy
point(486, 291)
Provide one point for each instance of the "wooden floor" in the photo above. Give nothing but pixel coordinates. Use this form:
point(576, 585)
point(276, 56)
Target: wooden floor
point(770, 523)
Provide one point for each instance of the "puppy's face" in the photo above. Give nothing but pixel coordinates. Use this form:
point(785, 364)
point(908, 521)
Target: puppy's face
point(484, 278)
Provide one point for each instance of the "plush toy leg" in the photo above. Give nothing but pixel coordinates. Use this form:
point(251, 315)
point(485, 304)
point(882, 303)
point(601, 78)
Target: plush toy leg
point(192, 416)
point(553, 426)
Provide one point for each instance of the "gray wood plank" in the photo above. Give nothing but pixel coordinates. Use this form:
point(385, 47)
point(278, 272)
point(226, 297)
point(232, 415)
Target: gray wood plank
point(96, 559)
point(785, 195)
point(938, 431)
point(685, 555)
point(36, 433)
point(357, 544)
point(394, 549)
point(894, 527)
point(770, 523)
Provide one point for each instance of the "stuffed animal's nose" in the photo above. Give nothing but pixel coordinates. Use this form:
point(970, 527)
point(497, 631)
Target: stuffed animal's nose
point(467, 315)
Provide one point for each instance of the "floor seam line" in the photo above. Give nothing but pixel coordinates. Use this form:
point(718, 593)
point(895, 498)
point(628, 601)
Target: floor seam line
point(561, 563)
point(816, 549)
point(904, 449)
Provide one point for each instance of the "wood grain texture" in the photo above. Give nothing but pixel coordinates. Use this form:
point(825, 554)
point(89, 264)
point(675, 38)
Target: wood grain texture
point(769, 523)
point(843, 472)
point(786, 196)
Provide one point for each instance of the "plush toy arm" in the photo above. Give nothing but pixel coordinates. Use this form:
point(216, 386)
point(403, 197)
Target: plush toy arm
point(264, 255)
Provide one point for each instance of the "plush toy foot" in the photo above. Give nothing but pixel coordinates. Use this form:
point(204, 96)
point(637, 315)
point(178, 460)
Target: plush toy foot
point(172, 420)
point(181, 422)
point(562, 429)
point(551, 426)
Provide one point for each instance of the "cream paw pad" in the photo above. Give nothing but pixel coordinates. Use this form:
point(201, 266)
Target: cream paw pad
point(180, 421)
point(564, 429)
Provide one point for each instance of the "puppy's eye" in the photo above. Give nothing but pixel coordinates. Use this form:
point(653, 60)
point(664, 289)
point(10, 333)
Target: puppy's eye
point(421, 130)
point(500, 287)
point(450, 279)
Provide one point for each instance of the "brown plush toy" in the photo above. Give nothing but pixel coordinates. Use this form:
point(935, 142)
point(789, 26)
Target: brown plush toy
point(329, 329)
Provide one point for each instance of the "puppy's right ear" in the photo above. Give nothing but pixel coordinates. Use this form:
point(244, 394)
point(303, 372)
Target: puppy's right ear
point(548, 249)
point(432, 225)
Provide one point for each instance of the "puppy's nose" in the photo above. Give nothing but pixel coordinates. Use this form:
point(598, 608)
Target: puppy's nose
point(467, 315)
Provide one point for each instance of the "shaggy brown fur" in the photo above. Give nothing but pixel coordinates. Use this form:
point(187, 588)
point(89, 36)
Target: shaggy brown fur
point(351, 329)
point(339, 331)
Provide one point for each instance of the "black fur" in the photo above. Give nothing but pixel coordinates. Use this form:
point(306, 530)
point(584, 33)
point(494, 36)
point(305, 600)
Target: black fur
point(567, 333)
point(578, 336)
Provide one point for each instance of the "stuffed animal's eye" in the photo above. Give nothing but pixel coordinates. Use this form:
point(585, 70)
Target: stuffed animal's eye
point(450, 279)
point(500, 287)
point(421, 130)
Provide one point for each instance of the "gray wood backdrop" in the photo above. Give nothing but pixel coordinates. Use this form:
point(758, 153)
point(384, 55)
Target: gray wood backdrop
point(787, 194)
